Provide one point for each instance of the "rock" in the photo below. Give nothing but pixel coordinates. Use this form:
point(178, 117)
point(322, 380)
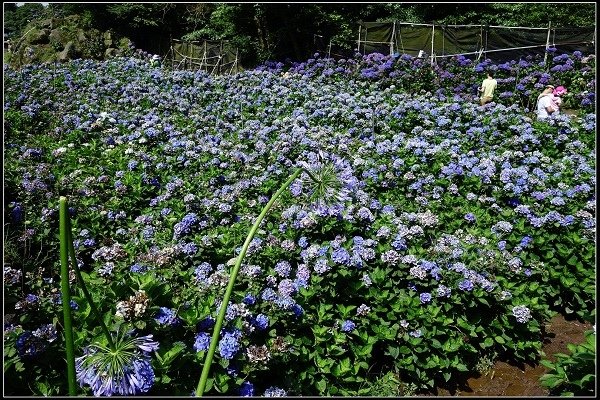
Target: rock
point(46, 23)
point(108, 40)
point(63, 39)
point(110, 52)
point(56, 36)
point(39, 36)
point(67, 52)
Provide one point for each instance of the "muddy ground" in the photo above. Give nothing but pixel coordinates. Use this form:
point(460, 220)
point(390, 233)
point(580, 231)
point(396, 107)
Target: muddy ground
point(505, 379)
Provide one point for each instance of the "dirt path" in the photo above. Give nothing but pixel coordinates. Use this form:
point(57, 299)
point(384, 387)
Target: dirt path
point(523, 380)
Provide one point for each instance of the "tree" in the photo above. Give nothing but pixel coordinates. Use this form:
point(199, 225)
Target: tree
point(17, 18)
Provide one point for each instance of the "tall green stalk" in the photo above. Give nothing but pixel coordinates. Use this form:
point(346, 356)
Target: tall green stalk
point(233, 275)
point(66, 295)
point(86, 293)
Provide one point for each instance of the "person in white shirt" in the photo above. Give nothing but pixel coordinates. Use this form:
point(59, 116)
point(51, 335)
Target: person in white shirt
point(487, 88)
point(545, 105)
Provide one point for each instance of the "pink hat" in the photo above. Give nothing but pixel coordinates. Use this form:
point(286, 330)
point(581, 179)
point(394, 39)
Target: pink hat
point(560, 90)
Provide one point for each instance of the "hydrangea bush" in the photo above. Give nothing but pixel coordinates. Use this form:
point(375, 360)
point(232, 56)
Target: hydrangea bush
point(456, 232)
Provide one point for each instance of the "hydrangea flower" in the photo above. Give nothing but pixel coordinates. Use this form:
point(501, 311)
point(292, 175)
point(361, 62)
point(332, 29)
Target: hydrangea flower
point(348, 326)
point(521, 313)
point(425, 298)
point(202, 341)
point(261, 321)
point(29, 345)
point(274, 391)
point(166, 316)
point(247, 389)
point(229, 344)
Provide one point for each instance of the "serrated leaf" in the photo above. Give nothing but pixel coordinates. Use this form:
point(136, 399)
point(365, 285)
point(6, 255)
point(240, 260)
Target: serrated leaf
point(393, 351)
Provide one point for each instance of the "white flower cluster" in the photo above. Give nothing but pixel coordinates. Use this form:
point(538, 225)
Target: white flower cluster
point(135, 307)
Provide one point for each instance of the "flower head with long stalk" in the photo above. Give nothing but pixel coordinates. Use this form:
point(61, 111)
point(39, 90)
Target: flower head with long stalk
point(325, 184)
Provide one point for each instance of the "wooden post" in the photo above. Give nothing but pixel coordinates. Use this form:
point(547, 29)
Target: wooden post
point(432, 36)
point(358, 42)
point(547, 42)
point(393, 38)
point(486, 40)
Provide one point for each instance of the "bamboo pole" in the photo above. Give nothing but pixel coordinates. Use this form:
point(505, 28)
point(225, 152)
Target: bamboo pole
point(393, 38)
point(432, 36)
point(547, 42)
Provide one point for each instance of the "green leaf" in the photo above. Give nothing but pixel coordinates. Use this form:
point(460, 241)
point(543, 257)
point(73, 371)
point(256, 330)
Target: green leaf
point(394, 351)
point(461, 367)
point(500, 339)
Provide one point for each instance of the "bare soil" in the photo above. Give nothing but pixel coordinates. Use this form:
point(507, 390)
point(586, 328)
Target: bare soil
point(522, 380)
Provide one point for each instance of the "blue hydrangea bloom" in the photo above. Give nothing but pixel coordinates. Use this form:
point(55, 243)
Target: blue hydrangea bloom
point(202, 341)
point(348, 326)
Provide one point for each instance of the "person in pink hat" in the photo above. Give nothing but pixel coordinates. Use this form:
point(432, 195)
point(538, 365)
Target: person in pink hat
point(556, 100)
point(549, 101)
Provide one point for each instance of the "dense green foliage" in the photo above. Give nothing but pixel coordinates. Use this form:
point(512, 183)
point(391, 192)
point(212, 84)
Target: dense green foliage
point(573, 374)
point(275, 31)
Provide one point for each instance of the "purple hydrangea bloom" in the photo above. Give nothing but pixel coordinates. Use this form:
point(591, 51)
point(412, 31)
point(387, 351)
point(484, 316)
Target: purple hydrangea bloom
point(229, 344)
point(202, 341)
point(166, 316)
point(303, 242)
point(425, 297)
point(274, 391)
point(29, 345)
point(261, 321)
point(341, 256)
point(526, 241)
point(348, 326)
point(286, 288)
point(297, 310)
point(247, 389)
point(249, 299)
point(522, 313)
point(465, 285)
point(283, 268)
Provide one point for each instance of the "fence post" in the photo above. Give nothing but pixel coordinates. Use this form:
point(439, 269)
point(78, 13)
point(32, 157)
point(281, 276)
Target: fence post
point(358, 41)
point(547, 42)
point(393, 38)
point(432, 36)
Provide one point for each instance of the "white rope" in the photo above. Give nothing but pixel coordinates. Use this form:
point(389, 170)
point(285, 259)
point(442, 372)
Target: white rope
point(473, 26)
point(370, 41)
point(509, 48)
point(194, 58)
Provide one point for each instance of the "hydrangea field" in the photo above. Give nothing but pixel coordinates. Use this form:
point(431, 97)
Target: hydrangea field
point(448, 233)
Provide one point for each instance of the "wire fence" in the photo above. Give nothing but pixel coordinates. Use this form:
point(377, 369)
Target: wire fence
point(213, 57)
point(488, 41)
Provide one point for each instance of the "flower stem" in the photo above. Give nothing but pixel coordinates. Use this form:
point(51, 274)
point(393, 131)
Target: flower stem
point(86, 293)
point(234, 272)
point(66, 296)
